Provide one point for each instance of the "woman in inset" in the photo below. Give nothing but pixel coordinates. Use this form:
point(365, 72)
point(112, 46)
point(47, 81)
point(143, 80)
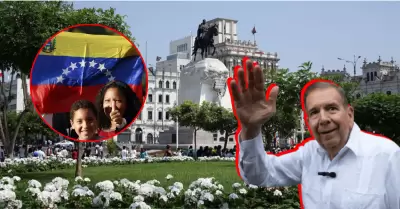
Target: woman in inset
point(117, 106)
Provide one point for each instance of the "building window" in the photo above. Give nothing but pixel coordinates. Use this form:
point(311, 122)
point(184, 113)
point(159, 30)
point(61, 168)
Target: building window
point(371, 76)
point(375, 74)
point(149, 115)
point(167, 99)
point(215, 136)
point(368, 77)
point(388, 92)
point(140, 116)
point(160, 84)
point(358, 96)
point(167, 85)
point(167, 115)
point(221, 139)
point(231, 139)
point(160, 98)
point(174, 85)
point(150, 98)
point(159, 115)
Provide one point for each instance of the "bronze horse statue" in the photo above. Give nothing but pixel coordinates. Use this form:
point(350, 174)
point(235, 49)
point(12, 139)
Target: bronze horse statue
point(206, 42)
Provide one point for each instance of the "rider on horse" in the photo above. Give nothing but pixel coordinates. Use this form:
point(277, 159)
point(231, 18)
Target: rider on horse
point(202, 30)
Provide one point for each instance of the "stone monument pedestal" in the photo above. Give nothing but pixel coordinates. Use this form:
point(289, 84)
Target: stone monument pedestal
point(203, 80)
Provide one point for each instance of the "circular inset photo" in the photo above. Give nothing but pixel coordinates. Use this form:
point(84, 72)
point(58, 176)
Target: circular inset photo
point(88, 83)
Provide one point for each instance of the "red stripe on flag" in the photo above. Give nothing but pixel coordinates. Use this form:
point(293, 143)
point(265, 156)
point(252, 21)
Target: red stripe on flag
point(58, 98)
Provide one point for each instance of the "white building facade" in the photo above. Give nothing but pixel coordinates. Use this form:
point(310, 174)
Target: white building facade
point(230, 49)
point(17, 103)
point(163, 86)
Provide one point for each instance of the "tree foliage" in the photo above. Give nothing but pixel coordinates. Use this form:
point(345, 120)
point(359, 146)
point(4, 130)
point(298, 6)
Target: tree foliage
point(25, 26)
point(208, 117)
point(286, 119)
point(191, 115)
point(380, 113)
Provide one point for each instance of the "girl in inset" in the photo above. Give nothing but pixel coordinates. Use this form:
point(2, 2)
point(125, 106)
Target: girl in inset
point(118, 105)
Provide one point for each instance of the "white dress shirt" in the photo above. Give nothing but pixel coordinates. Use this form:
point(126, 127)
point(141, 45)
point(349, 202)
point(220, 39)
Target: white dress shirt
point(367, 169)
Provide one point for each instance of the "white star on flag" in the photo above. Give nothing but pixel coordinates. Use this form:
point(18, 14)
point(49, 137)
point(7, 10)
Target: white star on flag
point(73, 66)
point(111, 78)
point(82, 63)
point(92, 63)
point(60, 79)
point(101, 67)
point(108, 73)
point(65, 71)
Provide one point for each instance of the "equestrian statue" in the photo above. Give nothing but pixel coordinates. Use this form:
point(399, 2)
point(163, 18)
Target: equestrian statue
point(205, 39)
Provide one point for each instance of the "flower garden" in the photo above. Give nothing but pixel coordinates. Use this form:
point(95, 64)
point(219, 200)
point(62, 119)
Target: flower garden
point(176, 182)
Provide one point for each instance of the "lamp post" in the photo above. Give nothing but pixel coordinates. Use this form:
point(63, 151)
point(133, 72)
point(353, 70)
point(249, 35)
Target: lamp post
point(354, 62)
point(177, 93)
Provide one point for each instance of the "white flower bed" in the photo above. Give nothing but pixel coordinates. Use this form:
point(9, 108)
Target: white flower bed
point(60, 193)
point(51, 163)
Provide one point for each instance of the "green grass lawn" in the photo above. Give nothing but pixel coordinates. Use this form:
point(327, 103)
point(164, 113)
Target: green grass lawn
point(185, 172)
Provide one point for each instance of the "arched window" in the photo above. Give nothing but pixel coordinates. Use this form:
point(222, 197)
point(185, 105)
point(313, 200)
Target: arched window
point(160, 84)
point(167, 85)
point(174, 85)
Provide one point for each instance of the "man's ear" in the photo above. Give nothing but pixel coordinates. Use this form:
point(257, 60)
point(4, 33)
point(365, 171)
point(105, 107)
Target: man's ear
point(350, 112)
point(72, 124)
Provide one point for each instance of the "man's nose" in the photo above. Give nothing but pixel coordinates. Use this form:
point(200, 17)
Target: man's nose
point(323, 117)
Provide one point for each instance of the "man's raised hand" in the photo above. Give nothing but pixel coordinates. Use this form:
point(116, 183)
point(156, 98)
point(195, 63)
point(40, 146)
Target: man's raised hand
point(252, 108)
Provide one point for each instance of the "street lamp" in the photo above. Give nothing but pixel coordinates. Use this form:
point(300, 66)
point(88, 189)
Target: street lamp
point(354, 62)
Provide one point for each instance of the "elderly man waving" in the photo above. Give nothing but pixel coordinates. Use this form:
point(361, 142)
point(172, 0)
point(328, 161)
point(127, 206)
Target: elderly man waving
point(343, 168)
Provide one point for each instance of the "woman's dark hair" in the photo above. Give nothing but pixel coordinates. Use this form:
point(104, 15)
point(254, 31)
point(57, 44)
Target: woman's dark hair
point(133, 103)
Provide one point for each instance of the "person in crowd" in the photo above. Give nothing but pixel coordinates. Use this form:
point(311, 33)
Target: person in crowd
point(168, 152)
point(22, 151)
point(88, 151)
point(83, 119)
point(2, 154)
point(133, 152)
point(63, 153)
point(97, 150)
point(118, 105)
point(74, 154)
point(230, 153)
point(49, 151)
point(101, 152)
point(190, 152)
point(39, 153)
point(30, 152)
point(143, 153)
point(179, 152)
point(124, 153)
point(200, 152)
point(342, 168)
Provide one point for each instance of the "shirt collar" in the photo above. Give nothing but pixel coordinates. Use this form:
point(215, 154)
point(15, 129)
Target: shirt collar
point(352, 142)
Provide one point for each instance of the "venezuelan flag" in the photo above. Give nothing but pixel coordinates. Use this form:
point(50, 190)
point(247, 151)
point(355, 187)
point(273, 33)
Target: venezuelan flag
point(76, 66)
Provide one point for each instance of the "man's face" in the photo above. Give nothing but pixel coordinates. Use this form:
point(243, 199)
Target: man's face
point(329, 119)
point(84, 123)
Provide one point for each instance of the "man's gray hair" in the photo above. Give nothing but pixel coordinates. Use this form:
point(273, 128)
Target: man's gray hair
point(325, 85)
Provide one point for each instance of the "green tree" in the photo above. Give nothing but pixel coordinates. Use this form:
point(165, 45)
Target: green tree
point(221, 120)
point(287, 116)
point(192, 115)
point(24, 27)
point(380, 113)
point(349, 85)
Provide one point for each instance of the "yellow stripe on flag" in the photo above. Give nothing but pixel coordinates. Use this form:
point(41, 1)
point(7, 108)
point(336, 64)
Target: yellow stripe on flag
point(87, 45)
